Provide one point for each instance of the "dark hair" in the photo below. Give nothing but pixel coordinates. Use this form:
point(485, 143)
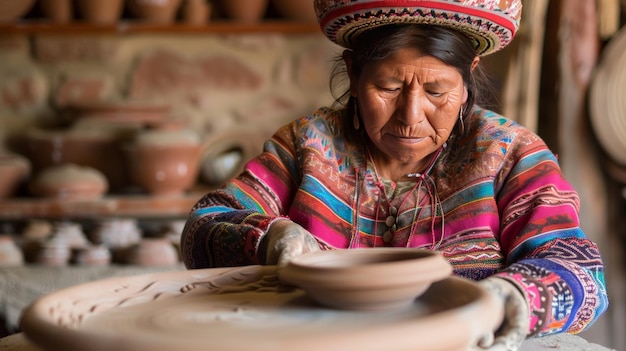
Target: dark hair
point(448, 45)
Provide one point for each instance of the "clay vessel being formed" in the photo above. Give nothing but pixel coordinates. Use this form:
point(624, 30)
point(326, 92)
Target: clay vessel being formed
point(366, 279)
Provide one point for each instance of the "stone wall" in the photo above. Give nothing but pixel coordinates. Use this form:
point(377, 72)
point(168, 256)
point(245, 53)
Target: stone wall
point(220, 84)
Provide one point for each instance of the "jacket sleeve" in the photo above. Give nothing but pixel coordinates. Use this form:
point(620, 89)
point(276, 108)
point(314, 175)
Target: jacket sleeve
point(224, 228)
point(548, 256)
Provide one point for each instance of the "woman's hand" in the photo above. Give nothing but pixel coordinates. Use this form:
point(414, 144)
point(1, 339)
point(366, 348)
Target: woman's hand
point(514, 327)
point(284, 240)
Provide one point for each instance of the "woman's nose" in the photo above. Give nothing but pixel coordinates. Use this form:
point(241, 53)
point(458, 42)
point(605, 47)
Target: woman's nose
point(411, 109)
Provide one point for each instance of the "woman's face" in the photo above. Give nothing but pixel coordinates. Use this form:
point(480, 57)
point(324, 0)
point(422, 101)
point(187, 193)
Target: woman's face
point(409, 104)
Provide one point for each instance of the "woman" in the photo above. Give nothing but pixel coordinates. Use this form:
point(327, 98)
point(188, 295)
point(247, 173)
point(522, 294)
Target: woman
point(412, 161)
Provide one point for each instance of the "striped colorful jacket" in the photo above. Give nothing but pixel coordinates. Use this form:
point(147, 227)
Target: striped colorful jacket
point(494, 203)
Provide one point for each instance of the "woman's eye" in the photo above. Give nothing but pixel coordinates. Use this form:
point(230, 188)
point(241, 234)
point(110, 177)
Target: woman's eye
point(435, 94)
point(390, 89)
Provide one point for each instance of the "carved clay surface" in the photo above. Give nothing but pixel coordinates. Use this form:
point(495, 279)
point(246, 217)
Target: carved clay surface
point(247, 308)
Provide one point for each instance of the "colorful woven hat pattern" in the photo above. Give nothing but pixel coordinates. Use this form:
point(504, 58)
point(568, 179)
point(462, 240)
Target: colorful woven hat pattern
point(491, 24)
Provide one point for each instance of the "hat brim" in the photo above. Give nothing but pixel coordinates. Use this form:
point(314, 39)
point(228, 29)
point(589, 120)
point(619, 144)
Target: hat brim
point(489, 30)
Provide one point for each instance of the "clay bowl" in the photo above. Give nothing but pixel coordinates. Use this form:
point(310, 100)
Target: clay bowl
point(366, 279)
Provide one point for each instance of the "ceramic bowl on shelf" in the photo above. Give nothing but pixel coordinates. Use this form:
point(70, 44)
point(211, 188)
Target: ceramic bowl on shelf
point(367, 278)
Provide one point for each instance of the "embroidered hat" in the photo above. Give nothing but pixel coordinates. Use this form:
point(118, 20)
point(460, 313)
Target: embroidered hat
point(490, 24)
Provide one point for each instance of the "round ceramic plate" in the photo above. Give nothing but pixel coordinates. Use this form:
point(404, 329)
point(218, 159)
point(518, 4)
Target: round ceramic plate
point(246, 308)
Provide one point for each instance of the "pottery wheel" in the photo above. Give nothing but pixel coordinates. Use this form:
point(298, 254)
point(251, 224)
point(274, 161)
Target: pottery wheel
point(232, 309)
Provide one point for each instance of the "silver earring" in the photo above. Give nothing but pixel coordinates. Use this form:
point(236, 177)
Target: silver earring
point(461, 120)
point(355, 117)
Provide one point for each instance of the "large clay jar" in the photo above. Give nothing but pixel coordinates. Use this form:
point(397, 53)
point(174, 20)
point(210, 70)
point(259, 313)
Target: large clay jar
point(247, 11)
point(14, 171)
point(11, 10)
point(156, 11)
point(100, 11)
point(297, 10)
point(10, 253)
point(58, 11)
point(164, 162)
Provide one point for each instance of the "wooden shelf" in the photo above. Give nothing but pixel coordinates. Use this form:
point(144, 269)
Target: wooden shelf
point(136, 27)
point(135, 206)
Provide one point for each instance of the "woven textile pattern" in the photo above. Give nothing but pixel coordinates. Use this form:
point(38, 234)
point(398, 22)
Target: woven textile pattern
point(506, 207)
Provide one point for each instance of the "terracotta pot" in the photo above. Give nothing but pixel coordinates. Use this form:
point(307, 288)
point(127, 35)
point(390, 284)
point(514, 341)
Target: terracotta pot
point(153, 252)
point(297, 10)
point(14, 171)
point(164, 162)
point(247, 11)
point(10, 253)
point(157, 11)
point(11, 10)
point(59, 11)
point(100, 11)
point(196, 12)
point(69, 181)
point(96, 146)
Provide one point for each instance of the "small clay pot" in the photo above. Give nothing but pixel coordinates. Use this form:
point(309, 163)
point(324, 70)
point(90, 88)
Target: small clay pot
point(195, 12)
point(100, 11)
point(246, 11)
point(155, 11)
point(70, 181)
point(10, 253)
point(14, 171)
point(118, 235)
point(153, 252)
point(58, 11)
point(164, 163)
